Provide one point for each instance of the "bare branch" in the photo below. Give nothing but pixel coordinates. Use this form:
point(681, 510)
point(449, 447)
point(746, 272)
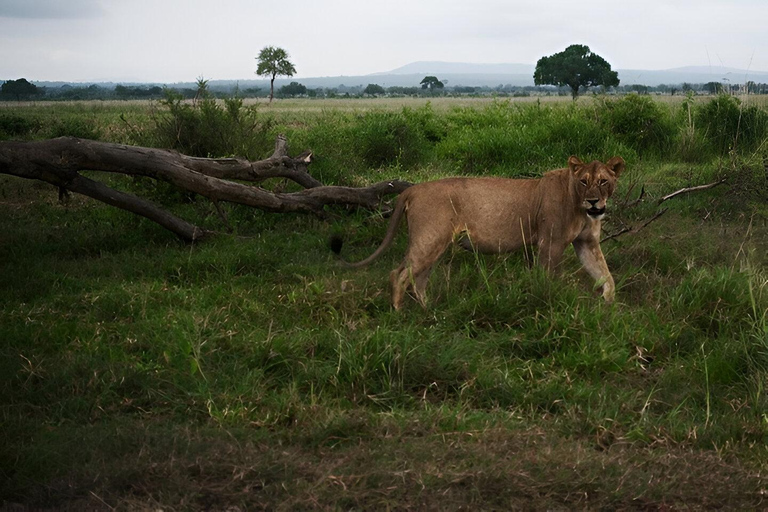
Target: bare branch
point(637, 229)
point(691, 189)
point(637, 201)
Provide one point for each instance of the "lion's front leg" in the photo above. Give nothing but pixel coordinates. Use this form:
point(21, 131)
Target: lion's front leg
point(591, 256)
point(550, 254)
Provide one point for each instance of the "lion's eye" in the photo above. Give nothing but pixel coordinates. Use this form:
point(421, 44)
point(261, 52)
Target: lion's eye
point(584, 182)
point(603, 183)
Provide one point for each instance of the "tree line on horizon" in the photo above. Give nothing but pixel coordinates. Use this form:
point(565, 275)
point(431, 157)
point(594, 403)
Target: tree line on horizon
point(69, 92)
point(576, 69)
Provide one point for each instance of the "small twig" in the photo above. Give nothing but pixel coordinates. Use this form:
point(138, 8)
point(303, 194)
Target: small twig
point(110, 507)
point(642, 226)
point(629, 192)
point(222, 214)
point(636, 201)
point(623, 230)
point(691, 189)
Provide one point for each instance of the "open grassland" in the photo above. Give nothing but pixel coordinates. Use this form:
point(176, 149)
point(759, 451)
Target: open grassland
point(252, 372)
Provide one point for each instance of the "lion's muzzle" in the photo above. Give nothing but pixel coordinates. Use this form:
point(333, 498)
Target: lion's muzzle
point(594, 209)
point(596, 213)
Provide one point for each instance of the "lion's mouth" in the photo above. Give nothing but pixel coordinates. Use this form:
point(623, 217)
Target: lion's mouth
point(596, 212)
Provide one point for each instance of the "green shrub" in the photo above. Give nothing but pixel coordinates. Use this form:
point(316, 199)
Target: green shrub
point(639, 122)
point(692, 146)
point(331, 136)
point(16, 126)
point(728, 125)
point(388, 138)
point(80, 127)
point(205, 128)
point(515, 140)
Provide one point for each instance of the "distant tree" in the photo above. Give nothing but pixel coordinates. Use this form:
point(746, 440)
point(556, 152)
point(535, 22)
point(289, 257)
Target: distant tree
point(202, 90)
point(575, 67)
point(431, 83)
point(121, 91)
point(252, 91)
point(374, 89)
point(293, 89)
point(274, 62)
point(19, 89)
point(405, 91)
point(713, 87)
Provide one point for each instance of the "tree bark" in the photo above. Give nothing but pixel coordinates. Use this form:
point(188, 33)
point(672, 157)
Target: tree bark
point(59, 162)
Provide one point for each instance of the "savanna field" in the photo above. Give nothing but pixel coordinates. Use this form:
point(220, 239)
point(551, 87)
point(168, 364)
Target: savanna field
point(252, 371)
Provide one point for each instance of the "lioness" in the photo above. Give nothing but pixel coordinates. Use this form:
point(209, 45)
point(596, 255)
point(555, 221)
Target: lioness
point(495, 215)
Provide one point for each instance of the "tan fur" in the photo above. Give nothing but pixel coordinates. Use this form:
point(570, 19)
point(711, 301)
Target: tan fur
point(496, 215)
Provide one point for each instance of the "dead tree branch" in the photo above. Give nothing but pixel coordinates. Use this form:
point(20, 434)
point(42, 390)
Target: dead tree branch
point(59, 162)
point(637, 229)
point(691, 189)
point(637, 201)
point(628, 204)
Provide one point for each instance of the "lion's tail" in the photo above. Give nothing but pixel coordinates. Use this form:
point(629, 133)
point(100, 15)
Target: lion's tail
point(394, 222)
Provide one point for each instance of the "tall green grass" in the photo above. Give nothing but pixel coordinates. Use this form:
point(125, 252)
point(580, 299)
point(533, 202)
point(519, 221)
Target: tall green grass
point(143, 372)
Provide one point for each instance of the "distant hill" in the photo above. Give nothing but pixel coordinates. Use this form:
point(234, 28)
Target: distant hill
point(479, 75)
point(460, 68)
point(474, 74)
point(692, 75)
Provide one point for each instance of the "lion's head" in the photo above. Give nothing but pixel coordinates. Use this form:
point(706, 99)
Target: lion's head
point(595, 182)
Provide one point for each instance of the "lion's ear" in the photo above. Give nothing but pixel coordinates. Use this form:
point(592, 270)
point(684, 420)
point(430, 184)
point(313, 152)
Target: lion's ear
point(616, 164)
point(574, 163)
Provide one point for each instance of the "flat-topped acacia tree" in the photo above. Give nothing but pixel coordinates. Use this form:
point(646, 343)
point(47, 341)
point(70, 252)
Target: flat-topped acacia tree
point(274, 62)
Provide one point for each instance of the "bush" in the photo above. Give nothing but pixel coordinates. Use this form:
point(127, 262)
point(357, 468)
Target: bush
point(16, 126)
point(204, 128)
point(406, 137)
point(522, 140)
point(729, 126)
point(79, 127)
point(639, 122)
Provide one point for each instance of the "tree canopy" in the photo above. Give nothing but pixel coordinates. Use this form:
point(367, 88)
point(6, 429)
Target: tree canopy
point(431, 83)
point(293, 89)
point(274, 62)
point(374, 89)
point(575, 67)
point(19, 89)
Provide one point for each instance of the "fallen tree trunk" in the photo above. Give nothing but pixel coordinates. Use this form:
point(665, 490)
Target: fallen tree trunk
point(59, 162)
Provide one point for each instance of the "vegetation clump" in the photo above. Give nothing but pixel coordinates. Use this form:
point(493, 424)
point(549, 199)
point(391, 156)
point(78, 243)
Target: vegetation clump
point(207, 127)
point(728, 125)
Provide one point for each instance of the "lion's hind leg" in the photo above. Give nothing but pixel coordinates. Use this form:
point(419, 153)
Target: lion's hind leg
point(413, 273)
point(408, 277)
point(399, 280)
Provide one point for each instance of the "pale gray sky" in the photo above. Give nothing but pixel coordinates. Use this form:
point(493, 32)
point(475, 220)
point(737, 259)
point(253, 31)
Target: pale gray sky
point(179, 40)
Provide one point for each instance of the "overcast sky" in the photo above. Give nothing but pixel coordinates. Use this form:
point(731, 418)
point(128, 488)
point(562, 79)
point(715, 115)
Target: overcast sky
point(170, 41)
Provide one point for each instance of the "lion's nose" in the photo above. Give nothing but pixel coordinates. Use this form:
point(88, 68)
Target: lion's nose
point(593, 202)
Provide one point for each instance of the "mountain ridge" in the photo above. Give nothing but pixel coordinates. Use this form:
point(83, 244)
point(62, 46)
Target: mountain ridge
point(473, 75)
point(523, 73)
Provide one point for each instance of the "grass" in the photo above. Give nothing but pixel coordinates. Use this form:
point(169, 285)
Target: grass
point(253, 372)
